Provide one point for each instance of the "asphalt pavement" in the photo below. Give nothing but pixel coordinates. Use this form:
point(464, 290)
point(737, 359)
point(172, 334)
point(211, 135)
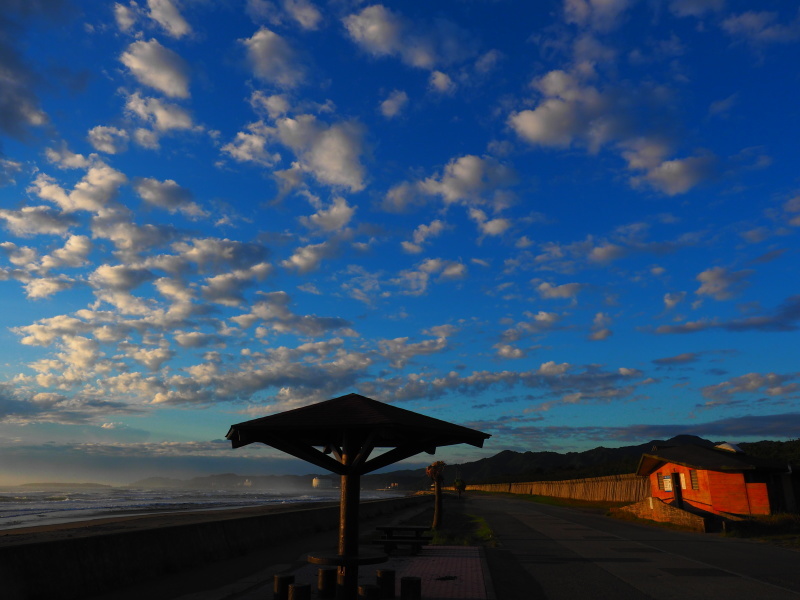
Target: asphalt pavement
point(555, 553)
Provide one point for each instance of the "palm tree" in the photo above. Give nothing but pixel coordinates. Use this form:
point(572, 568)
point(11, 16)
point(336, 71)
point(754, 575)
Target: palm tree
point(436, 472)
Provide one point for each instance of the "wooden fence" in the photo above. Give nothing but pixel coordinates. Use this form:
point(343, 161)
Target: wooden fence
point(613, 488)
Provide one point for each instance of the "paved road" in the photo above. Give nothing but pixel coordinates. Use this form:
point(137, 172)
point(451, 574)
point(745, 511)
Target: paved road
point(555, 553)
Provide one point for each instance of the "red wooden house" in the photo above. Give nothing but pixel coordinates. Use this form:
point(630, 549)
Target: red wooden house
point(720, 479)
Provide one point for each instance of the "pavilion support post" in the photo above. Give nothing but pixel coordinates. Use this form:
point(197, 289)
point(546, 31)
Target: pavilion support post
point(347, 578)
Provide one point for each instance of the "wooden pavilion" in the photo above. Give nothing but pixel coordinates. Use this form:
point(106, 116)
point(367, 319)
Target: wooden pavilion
point(340, 435)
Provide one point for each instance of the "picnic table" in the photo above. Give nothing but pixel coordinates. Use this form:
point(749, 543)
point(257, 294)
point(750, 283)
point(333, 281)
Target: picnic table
point(364, 557)
point(417, 530)
point(403, 535)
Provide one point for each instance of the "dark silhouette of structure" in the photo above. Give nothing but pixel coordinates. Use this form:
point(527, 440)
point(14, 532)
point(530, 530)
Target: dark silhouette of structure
point(340, 435)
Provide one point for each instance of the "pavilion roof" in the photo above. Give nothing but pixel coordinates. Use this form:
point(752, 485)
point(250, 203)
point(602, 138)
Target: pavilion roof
point(331, 423)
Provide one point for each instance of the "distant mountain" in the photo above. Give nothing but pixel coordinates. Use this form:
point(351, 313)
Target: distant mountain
point(509, 466)
point(52, 485)
point(504, 467)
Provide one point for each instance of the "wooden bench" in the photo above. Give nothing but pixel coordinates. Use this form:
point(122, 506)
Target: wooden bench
point(393, 536)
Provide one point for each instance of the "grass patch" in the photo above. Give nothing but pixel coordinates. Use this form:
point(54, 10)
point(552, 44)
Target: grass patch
point(461, 529)
point(782, 529)
point(458, 528)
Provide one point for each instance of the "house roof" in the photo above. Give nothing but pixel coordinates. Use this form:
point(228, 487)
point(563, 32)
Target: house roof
point(704, 458)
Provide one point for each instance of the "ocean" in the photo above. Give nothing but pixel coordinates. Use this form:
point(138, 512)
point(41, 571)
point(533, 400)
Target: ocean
point(28, 507)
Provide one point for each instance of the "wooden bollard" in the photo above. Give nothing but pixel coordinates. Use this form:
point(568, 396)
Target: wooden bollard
point(368, 592)
point(299, 591)
point(280, 587)
point(385, 580)
point(326, 582)
point(410, 588)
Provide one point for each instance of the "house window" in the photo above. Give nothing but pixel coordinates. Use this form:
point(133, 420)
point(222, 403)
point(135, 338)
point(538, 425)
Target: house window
point(693, 478)
point(660, 481)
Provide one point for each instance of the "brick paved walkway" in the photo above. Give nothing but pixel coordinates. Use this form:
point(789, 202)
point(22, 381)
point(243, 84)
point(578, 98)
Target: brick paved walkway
point(449, 572)
point(446, 572)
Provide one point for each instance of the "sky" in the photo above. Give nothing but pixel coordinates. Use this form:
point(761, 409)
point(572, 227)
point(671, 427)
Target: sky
point(566, 223)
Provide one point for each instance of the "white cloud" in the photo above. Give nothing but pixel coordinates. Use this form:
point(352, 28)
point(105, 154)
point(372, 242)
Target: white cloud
point(110, 140)
point(508, 351)
point(45, 331)
point(46, 286)
point(773, 384)
point(166, 14)
point(394, 104)
point(491, 227)
point(330, 153)
point(335, 217)
point(273, 59)
point(308, 258)
point(566, 290)
point(36, 220)
point(792, 206)
point(399, 351)
point(441, 83)
point(125, 16)
point(64, 158)
point(551, 368)
point(251, 145)
point(304, 13)
point(153, 358)
point(469, 178)
point(606, 253)
point(487, 61)
point(762, 27)
point(158, 67)
point(8, 169)
point(276, 105)
point(128, 237)
point(695, 8)
point(95, 191)
point(167, 195)
point(220, 255)
point(572, 113)
point(162, 115)
point(680, 175)
point(147, 138)
point(672, 299)
point(601, 15)
point(73, 254)
point(227, 288)
point(119, 277)
point(416, 281)
point(274, 311)
point(382, 32)
point(600, 330)
point(422, 234)
point(721, 284)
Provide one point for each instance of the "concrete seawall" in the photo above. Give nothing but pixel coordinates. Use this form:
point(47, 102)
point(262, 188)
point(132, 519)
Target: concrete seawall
point(76, 568)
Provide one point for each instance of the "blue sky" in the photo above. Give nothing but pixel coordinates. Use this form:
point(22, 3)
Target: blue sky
point(567, 224)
